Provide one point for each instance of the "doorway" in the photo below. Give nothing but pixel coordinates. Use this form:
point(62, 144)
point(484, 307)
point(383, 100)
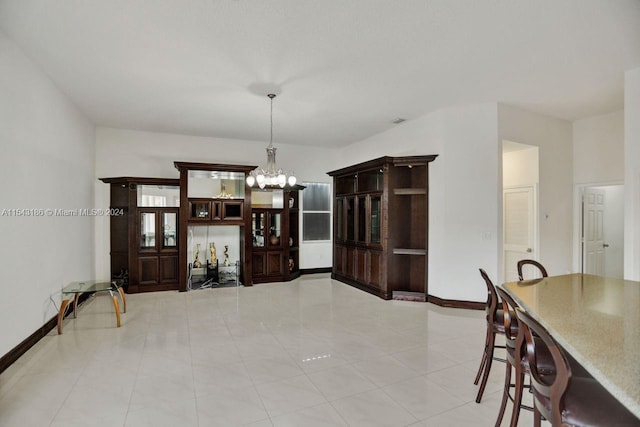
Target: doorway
point(602, 231)
point(519, 202)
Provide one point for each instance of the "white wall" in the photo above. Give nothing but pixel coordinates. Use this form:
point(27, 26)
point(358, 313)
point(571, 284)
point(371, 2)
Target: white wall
point(598, 149)
point(632, 174)
point(520, 168)
point(553, 137)
point(464, 192)
point(598, 158)
point(47, 162)
point(122, 152)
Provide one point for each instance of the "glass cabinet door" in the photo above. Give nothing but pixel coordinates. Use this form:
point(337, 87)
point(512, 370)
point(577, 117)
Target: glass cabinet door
point(147, 230)
point(362, 219)
point(257, 228)
point(339, 219)
point(169, 227)
point(274, 229)
point(351, 217)
point(375, 219)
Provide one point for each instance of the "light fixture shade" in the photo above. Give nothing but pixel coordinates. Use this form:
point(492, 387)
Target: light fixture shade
point(251, 180)
point(261, 180)
point(282, 180)
point(292, 180)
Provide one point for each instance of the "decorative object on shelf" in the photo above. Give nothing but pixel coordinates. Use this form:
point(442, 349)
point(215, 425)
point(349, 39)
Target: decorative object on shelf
point(196, 260)
point(227, 263)
point(223, 193)
point(291, 264)
point(275, 240)
point(290, 241)
point(291, 202)
point(212, 249)
point(271, 175)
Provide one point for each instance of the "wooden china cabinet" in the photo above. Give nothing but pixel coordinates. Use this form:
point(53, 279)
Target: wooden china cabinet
point(275, 234)
point(212, 196)
point(144, 239)
point(380, 230)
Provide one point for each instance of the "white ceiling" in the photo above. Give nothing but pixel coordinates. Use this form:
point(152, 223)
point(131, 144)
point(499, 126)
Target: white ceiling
point(343, 69)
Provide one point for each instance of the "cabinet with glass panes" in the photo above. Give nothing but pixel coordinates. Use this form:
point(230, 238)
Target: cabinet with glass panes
point(274, 234)
point(380, 226)
point(144, 240)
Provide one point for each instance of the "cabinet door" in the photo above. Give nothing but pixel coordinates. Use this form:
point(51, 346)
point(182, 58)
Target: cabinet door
point(375, 220)
point(148, 270)
point(275, 266)
point(275, 230)
point(258, 264)
point(168, 269)
point(375, 267)
point(258, 227)
point(361, 265)
point(339, 254)
point(169, 228)
point(362, 219)
point(350, 217)
point(339, 215)
point(147, 229)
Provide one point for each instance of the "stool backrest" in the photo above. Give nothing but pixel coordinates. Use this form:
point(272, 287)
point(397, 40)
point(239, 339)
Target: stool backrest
point(492, 297)
point(549, 387)
point(524, 262)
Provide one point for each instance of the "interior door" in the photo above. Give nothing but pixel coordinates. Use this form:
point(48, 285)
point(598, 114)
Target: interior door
point(593, 208)
point(518, 228)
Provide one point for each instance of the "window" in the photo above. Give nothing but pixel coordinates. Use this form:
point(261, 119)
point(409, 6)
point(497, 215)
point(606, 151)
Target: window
point(316, 211)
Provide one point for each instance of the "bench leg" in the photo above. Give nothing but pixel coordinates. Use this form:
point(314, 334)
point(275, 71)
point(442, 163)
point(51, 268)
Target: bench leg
point(63, 309)
point(116, 307)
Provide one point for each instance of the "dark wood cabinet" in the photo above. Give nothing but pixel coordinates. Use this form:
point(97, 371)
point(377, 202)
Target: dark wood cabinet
point(275, 235)
point(144, 240)
point(380, 235)
point(213, 195)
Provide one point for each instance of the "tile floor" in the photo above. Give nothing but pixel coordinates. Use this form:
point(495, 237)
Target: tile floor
point(312, 352)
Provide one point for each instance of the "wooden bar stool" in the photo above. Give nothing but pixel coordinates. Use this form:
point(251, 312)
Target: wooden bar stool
point(495, 326)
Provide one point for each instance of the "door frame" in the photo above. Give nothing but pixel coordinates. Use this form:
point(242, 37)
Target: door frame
point(536, 222)
point(578, 191)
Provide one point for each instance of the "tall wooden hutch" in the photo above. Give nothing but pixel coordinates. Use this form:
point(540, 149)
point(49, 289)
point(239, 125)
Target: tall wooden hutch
point(275, 234)
point(214, 195)
point(381, 233)
point(144, 232)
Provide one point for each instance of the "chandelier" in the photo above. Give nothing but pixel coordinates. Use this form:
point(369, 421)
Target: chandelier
point(271, 175)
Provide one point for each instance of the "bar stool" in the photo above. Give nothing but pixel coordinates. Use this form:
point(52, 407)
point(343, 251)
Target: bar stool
point(495, 326)
point(565, 399)
point(523, 262)
point(516, 360)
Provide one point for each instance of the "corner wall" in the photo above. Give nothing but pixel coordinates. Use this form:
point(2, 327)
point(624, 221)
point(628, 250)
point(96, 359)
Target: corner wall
point(47, 163)
point(554, 139)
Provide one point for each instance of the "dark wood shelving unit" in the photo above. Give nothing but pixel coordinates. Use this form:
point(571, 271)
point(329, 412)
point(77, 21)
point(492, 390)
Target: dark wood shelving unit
point(380, 241)
point(143, 252)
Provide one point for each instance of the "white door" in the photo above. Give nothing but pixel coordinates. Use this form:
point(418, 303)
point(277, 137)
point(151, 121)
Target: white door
point(593, 203)
point(518, 228)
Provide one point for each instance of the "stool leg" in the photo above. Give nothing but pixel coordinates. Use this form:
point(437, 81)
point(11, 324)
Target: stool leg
point(517, 396)
point(487, 368)
point(484, 358)
point(505, 394)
